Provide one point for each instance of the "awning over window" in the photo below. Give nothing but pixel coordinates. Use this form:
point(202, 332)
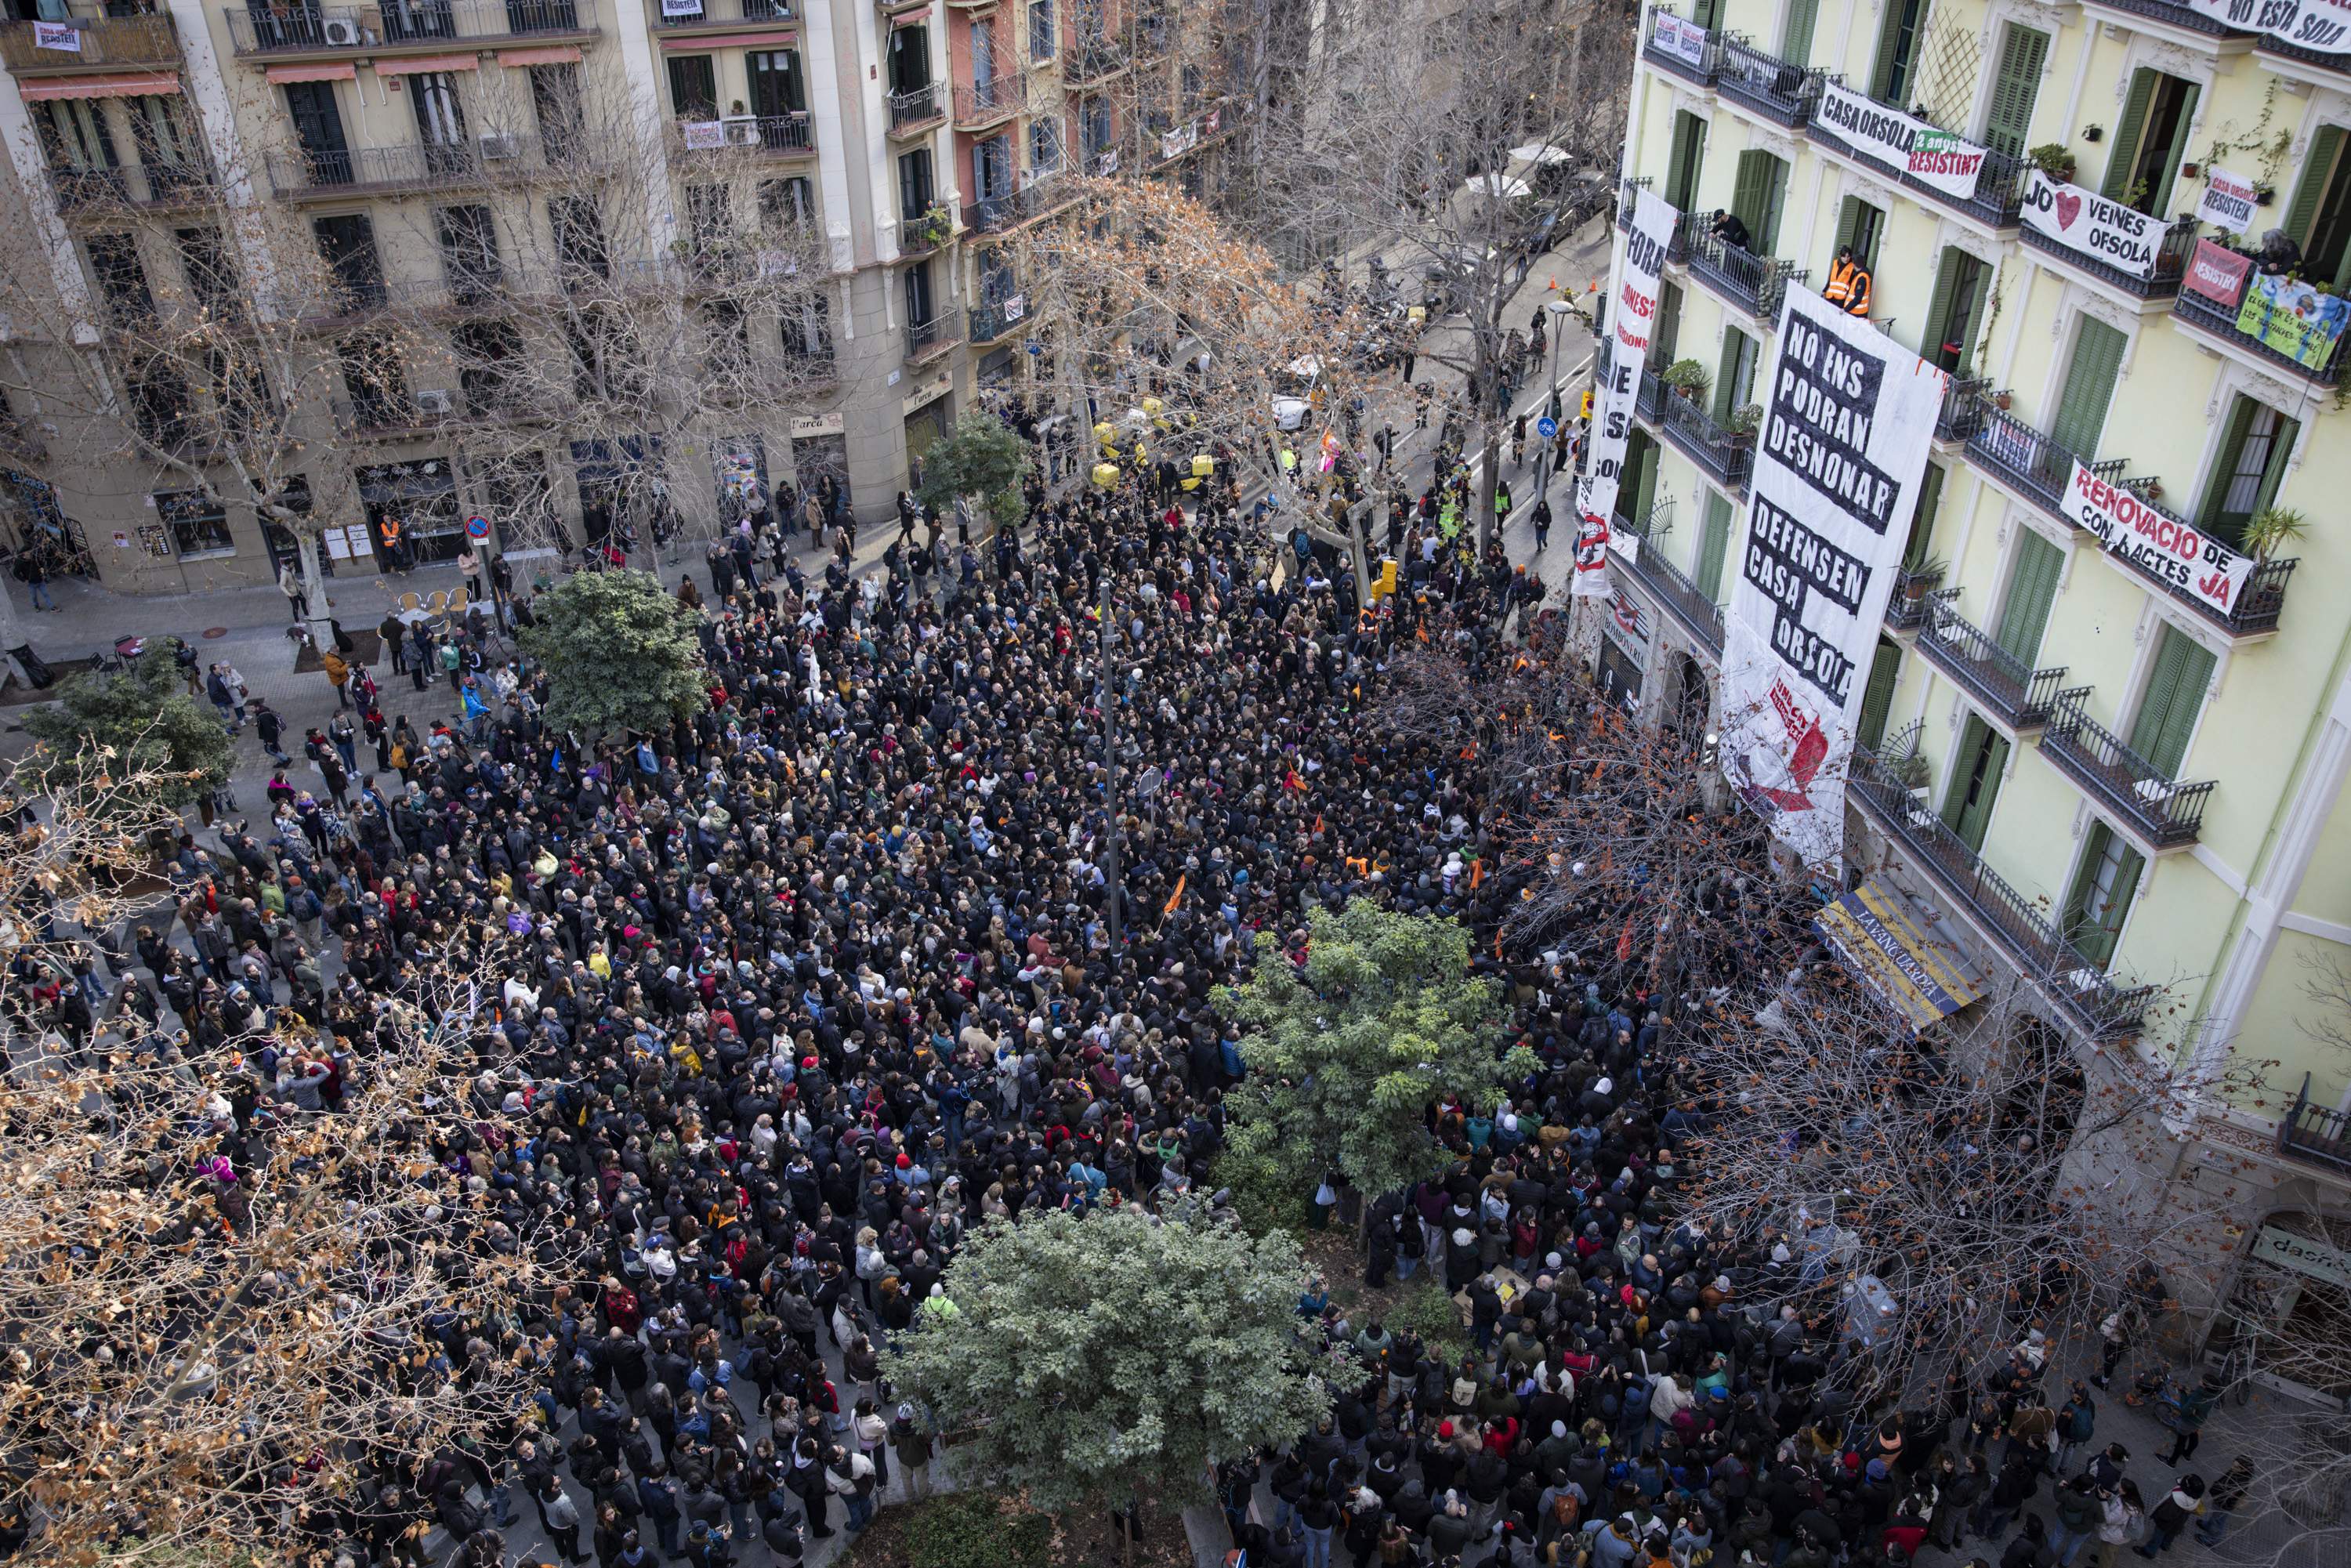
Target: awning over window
point(111, 84)
point(543, 55)
point(1890, 942)
point(766, 36)
point(280, 75)
point(417, 64)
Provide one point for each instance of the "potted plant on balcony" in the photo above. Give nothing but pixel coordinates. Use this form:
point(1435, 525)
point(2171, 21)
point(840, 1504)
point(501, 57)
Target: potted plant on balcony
point(1745, 421)
point(2055, 159)
point(1909, 769)
point(1686, 377)
point(2273, 528)
point(930, 231)
point(1920, 574)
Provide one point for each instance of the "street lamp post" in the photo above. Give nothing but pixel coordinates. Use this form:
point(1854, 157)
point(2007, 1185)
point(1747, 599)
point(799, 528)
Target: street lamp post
point(1559, 311)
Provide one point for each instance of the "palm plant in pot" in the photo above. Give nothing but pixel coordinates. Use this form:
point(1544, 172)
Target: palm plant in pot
point(2273, 529)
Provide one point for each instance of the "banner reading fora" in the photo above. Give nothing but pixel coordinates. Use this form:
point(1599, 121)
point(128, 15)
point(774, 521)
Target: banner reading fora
point(1838, 462)
point(1632, 321)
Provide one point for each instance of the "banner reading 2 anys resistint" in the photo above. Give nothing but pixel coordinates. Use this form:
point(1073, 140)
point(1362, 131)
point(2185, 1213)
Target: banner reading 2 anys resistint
point(1837, 465)
point(1632, 322)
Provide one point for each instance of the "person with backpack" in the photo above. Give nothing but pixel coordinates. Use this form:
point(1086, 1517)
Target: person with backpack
point(2077, 1423)
point(2179, 1506)
point(2183, 1411)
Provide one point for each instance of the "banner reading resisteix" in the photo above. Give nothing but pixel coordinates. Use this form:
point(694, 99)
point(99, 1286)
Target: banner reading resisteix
point(1632, 321)
point(2163, 547)
point(1837, 466)
point(2321, 27)
point(1938, 159)
point(2228, 202)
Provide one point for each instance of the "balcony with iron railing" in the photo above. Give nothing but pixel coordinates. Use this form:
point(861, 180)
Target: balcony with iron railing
point(723, 13)
point(2160, 812)
point(998, 319)
point(1667, 584)
point(2032, 941)
point(2034, 466)
point(2221, 323)
point(2011, 691)
point(894, 7)
point(1003, 212)
point(264, 27)
point(2171, 250)
point(1999, 194)
point(2168, 12)
point(917, 108)
point(391, 415)
point(1092, 56)
point(1729, 456)
point(927, 340)
point(2309, 1131)
point(1755, 283)
point(354, 169)
point(1963, 402)
point(980, 104)
point(1908, 608)
point(1781, 91)
point(1663, 49)
point(112, 37)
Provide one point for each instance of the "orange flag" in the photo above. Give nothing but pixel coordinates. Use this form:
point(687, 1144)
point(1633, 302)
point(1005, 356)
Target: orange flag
point(1175, 897)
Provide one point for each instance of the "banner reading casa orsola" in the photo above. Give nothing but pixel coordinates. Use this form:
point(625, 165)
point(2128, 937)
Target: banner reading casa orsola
point(1837, 466)
point(1632, 322)
point(1941, 160)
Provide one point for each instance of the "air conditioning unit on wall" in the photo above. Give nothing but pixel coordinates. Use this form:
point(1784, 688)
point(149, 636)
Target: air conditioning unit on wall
point(340, 32)
point(432, 402)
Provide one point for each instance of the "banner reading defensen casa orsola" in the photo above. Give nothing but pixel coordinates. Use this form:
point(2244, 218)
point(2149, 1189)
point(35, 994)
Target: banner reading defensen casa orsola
point(2321, 27)
point(1938, 159)
point(1838, 462)
point(1632, 321)
point(1678, 39)
point(2162, 547)
point(2090, 225)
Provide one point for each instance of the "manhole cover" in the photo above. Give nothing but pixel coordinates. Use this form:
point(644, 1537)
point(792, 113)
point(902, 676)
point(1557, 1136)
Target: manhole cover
point(212, 632)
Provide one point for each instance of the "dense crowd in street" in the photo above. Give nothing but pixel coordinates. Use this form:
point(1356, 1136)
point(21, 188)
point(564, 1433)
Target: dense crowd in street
point(793, 995)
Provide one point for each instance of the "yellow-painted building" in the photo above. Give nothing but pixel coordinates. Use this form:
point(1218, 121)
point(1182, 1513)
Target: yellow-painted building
point(2109, 719)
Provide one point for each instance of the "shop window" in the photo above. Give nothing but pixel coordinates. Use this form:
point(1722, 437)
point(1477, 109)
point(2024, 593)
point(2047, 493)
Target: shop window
point(199, 524)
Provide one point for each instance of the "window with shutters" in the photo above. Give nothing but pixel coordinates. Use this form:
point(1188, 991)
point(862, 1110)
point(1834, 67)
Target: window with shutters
point(1878, 697)
point(1636, 485)
point(1975, 781)
point(1894, 73)
point(2089, 389)
point(693, 86)
point(914, 185)
point(1859, 225)
point(2032, 590)
point(2320, 219)
point(2150, 141)
point(1669, 322)
point(2015, 85)
point(2101, 897)
point(1713, 545)
point(2255, 446)
point(1683, 162)
point(2168, 709)
point(1921, 542)
point(1736, 385)
point(1796, 31)
point(1708, 14)
point(1758, 194)
point(1948, 342)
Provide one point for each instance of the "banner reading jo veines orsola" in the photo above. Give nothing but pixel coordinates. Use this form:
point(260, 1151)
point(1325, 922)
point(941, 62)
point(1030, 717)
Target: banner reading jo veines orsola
point(1632, 322)
point(1837, 466)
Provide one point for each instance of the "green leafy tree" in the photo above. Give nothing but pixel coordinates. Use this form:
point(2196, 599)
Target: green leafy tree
point(1346, 1057)
point(145, 719)
point(621, 653)
point(1095, 1359)
point(983, 457)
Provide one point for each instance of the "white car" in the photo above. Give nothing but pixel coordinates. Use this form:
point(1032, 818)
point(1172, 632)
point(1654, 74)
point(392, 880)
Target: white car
point(1294, 403)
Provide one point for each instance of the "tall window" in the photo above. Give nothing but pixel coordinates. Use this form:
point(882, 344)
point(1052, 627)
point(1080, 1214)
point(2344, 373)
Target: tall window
point(2149, 141)
point(2174, 698)
point(914, 183)
point(1045, 144)
point(317, 123)
point(1736, 385)
point(210, 270)
point(346, 244)
point(788, 203)
point(1891, 76)
point(1859, 225)
point(693, 86)
point(376, 380)
point(806, 329)
point(910, 59)
point(579, 229)
point(121, 277)
point(2320, 219)
point(1759, 192)
point(2015, 88)
point(775, 86)
point(488, 354)
point(440, 118)
point(2255, 446)
point(1686, 157)
point(1042, 39)
point(1878, 696)
point(556, 103)
point(469, 250)
point(2101, 894)
point(2089, 388)
point(921, 309)
point(2031, 591)
point(1950, 339)
point(1975, 781)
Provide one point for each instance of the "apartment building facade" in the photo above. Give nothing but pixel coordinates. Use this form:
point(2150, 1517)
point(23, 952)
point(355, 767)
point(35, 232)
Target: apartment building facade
point(452, 153)
point(2108, 719)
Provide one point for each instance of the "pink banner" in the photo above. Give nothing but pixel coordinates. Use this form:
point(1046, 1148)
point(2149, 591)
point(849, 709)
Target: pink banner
point(2217, 273)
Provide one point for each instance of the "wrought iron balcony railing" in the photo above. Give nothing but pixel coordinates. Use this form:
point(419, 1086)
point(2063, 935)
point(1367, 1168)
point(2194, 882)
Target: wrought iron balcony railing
point(2162, 811)
point(2017, 694)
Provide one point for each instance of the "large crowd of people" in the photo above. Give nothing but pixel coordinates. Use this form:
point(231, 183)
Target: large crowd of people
point(796, 993)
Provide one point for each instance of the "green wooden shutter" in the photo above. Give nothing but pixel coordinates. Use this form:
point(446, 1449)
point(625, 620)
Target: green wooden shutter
point(1975, 782)
point(1889, 42)
point(2224, 471)
point(2174, 696)
point(1939, 306)
point(1775, 201)
point(1708, 14)
point(1876, 697)
point(1737, 378)
point(1714, 543)
point(1796, 31)
point(2126, 134)
point(2022, 52)
point(1669, 322)
point(2274, 473)
point(1688, 155)
point(2032, 590)
point(1922, 517)
point(2094, 915)
point(1848, 213)
point(2317, 173)
point(1750, 193)
point(1644, 488)
point(2159, 188)
point(2089, 389)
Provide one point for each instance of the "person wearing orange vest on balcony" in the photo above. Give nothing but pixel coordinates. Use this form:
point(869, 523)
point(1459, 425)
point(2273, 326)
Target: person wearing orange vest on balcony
point(1848, 285)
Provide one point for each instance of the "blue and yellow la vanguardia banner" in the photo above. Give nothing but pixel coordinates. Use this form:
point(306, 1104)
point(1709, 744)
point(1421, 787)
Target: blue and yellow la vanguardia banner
point(1881, 936)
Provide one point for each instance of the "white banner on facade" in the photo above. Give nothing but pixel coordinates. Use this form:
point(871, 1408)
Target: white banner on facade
point(1939, 159)
point(2228, 201)
point(1678, 39)
point(2087, 223)
point(1632, 321)
point(1837, 465)
point(56, 35)
point(2321, 27)
point(2163, 547)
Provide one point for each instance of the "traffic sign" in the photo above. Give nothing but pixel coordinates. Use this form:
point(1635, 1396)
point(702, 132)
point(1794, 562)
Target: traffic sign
point(1546, 427)
point(477, 526)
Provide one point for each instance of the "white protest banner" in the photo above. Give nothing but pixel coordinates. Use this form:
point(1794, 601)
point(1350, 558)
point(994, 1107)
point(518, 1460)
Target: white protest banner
point(56, 35)
point(702, 135)
point(674, 9)
point(1837, 466)
point(2090, 225)
point(2228, 202)
point(2321, 27)
point(1678, 39)
point(1632, 319)
point(2161, 546)
point(1939, 159)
